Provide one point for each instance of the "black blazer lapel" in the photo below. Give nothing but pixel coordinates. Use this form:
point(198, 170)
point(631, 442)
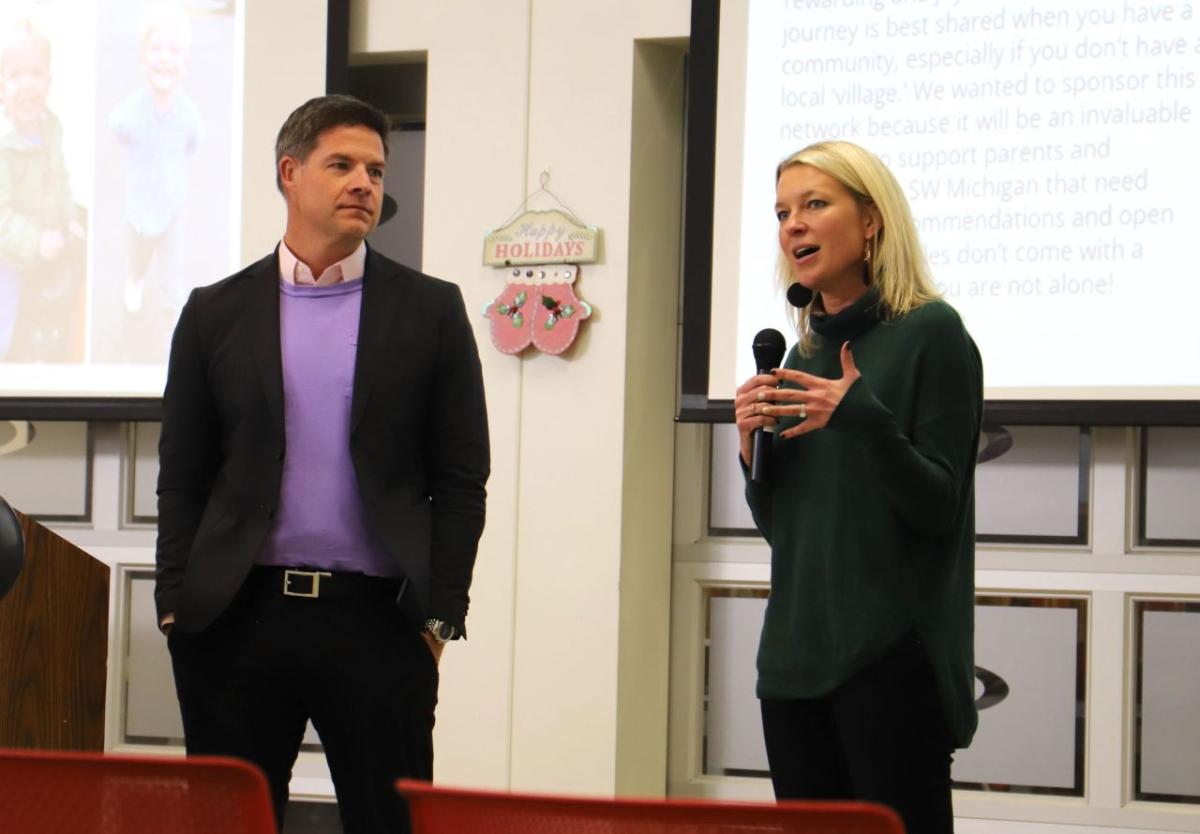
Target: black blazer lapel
point(263, 318)
point(384, 289)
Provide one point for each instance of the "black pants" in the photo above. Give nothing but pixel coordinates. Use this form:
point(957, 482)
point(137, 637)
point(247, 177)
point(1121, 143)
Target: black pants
point(881, 736)
point(249, 684)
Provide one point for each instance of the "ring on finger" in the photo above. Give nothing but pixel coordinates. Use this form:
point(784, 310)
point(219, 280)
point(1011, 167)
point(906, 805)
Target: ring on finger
point(803, 411)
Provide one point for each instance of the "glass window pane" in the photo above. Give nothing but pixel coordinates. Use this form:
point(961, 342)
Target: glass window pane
point(1029, 682)
point(733, 728)
point(1035, 489)
point(45, 469)
point(1167, 764)
point(143, 472)
point(728, 513)
point(1170, 484)
point(1030, 656)
point(151, 709)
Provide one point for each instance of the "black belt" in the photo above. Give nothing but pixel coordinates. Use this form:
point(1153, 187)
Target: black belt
point(313, 583)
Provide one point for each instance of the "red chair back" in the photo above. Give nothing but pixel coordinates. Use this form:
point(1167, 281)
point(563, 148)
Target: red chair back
point(454, 811)
point(88, 793)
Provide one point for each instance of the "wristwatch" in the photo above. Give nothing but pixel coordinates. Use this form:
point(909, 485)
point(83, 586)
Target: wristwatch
point(441, 630)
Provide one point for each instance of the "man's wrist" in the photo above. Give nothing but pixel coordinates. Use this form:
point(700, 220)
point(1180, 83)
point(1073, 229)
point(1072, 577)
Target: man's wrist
point(166, 623)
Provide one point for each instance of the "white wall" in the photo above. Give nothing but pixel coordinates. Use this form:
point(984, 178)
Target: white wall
point(282, 69)
point(559, 643)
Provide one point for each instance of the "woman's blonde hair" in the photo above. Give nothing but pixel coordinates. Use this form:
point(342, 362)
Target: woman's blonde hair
point(897, 265)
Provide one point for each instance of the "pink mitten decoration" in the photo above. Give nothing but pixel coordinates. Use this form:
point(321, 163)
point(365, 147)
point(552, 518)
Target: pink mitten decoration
point(539, 305)
point(509, 315)
point(557, 315)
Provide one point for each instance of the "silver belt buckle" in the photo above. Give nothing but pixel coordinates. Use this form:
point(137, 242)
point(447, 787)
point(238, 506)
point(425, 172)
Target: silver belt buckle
point(314, 578)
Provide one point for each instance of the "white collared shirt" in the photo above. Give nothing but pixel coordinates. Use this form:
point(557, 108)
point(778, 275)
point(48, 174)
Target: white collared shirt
point(293, 271)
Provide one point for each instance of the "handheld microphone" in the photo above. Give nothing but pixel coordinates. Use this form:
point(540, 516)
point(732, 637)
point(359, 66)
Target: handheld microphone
point(799, 295)
point(768, 348)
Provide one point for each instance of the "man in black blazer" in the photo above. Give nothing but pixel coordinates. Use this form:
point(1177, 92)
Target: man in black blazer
point(321, 492)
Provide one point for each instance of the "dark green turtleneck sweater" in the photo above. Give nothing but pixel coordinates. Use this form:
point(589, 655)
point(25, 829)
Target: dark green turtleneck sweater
point(871, 520)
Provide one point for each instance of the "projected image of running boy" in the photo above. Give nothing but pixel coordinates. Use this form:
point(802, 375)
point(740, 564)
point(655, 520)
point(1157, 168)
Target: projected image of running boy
point(160, 127)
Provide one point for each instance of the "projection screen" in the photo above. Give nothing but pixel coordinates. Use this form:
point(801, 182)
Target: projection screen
point(1047, 151)
point(136, 162)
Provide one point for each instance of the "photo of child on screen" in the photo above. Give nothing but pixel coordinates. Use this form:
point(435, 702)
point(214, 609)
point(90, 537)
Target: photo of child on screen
point(160, 127)
point(42, 249)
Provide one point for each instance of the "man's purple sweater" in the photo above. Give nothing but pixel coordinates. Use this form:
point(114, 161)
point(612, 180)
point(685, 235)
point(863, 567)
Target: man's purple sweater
point(321, 522)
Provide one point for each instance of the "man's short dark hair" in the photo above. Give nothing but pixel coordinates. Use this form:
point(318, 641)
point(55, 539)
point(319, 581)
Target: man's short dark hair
point(304, 126)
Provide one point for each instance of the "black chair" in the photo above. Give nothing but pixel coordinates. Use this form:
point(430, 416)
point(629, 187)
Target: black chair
point(12, 547)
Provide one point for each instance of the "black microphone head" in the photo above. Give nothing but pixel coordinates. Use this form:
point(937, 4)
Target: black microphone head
point(769, 346)
point(799, 295)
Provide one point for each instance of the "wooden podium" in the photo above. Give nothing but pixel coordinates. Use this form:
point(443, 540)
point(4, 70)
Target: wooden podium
point(54, 647)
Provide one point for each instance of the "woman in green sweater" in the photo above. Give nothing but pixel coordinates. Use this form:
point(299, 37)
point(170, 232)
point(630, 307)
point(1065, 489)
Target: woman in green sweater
point(865, 665)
